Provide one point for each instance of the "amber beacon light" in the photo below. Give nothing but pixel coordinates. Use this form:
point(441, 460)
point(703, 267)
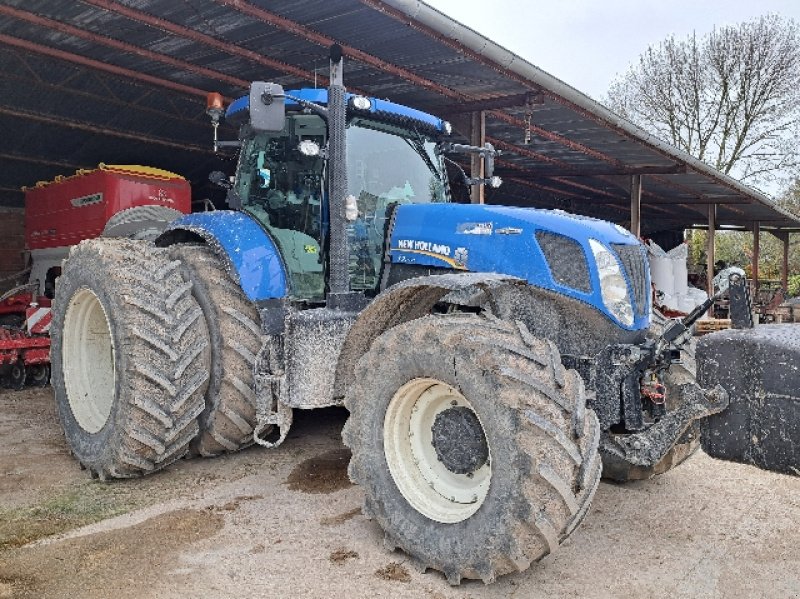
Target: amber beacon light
point(214, 109)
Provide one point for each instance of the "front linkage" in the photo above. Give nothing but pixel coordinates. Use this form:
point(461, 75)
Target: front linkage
point(630, 399)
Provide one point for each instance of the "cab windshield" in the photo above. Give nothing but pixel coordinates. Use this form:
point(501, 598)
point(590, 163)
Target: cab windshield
point(393, 164)
point(386, 166)
point(284, 189)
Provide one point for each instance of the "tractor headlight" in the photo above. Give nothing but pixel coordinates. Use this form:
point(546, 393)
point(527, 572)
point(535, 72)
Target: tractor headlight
point(308, 147)
point(613, 287)
point(361, 103)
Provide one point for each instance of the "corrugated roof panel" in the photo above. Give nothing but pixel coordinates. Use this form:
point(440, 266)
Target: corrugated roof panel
point(582, 165)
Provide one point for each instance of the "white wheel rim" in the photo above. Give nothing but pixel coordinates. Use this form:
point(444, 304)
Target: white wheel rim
point(423, 480)
point(87, 358)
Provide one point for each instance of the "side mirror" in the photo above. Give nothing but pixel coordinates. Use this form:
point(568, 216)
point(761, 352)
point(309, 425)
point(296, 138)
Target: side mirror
point(490, 178)
point(487, 152)
point(488, 160)
point(267, 109)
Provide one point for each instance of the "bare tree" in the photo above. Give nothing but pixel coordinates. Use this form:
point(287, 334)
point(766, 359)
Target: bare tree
point(730, 98)
point(790, 199)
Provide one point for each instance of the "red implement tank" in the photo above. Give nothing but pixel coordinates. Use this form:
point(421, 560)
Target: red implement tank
point(67, 210)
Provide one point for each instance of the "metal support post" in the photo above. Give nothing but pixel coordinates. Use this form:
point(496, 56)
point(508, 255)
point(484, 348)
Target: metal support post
point(477, 138)
point(710, 258)
point(636, 205)
point(756, 255)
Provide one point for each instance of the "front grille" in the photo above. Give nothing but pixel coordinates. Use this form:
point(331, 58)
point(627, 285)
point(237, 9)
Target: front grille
point(566, 260)
point(634, 261)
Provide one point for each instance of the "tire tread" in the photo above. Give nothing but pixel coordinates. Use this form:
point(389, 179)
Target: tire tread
point(167, 366)
point(551, 414)
point(229, 419)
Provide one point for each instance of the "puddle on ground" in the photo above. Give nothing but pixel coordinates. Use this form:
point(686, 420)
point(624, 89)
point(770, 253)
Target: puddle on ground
point(324, 473)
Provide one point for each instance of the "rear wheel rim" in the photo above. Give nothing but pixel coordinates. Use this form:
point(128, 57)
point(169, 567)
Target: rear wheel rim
point(87, 357)
point(421, 477)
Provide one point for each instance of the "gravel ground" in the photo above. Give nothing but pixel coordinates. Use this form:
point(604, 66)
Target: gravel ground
point(287, 522)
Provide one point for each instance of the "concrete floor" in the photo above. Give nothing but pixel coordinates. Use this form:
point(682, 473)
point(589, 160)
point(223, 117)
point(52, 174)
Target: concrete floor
point(286, 522)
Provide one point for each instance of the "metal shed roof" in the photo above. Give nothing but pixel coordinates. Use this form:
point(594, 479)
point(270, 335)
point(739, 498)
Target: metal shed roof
point(125, 81)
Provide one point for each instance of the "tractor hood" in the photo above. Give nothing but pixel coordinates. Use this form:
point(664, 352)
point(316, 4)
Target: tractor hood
point(550, 249)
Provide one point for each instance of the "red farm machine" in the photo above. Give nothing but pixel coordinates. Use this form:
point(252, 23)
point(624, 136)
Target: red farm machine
point(110, 201)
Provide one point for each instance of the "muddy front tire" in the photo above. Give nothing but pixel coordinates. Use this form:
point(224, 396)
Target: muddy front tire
point(473, 444)
point(130, 357)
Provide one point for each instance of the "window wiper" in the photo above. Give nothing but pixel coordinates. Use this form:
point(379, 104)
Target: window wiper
point(419, 148)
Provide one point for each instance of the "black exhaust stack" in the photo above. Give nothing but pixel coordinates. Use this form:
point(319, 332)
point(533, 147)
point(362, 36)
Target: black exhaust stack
point(339, 294)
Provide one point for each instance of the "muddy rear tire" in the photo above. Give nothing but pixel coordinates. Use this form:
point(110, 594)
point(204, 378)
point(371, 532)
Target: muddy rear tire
point(140, 222)
point(130, 357)
point(234, 327)
point(473, 444)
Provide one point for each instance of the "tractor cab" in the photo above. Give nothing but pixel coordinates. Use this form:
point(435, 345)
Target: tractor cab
point(392, 158)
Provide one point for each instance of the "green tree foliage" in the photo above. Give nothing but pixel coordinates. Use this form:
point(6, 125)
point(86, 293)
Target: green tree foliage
point(735, 248)
point(794, 286)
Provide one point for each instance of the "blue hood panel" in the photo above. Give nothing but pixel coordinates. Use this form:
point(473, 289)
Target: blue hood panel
point(483, 238)
point(249, 251)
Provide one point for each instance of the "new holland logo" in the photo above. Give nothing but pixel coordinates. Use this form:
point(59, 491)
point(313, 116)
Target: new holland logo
point(82, 201)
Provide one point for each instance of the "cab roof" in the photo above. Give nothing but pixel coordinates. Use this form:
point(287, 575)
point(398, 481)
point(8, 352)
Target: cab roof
point(381, 110)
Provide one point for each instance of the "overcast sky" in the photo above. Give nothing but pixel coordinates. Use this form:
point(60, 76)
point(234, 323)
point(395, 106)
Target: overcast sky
point(587, 42)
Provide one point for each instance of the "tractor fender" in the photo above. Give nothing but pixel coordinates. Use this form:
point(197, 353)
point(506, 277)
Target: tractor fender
point(248, 251)
point(407, 300)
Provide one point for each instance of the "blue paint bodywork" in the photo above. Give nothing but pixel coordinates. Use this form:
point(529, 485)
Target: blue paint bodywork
point(250, 250)
point(238, 109)
point(476, 238)
point(482, 238)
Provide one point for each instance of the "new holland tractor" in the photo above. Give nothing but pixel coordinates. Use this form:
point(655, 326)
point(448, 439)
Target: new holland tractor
point(492, 359)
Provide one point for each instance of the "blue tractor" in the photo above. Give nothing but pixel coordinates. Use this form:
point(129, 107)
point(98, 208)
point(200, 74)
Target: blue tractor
point(494, 360)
